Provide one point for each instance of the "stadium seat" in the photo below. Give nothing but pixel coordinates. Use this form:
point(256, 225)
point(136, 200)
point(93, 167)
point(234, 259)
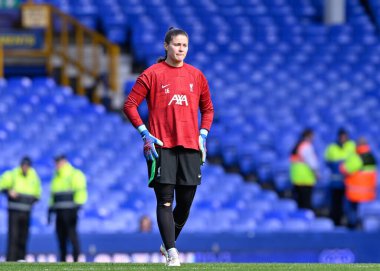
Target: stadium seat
point(369, 209)
point(371, 224)
point(269, 225)
point(295, 225)
point(304, 214)
point(292, 70)
point(321, 224)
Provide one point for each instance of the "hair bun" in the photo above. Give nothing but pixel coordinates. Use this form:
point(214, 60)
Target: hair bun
point(171, 28)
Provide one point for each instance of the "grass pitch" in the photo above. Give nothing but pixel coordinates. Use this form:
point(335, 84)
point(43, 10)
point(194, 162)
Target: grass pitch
point(184, 267)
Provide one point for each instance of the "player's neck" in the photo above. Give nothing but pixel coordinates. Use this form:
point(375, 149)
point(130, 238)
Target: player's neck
point(173, 64)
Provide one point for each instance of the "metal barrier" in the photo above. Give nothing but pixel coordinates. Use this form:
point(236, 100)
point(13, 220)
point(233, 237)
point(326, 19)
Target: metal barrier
point(72, 32)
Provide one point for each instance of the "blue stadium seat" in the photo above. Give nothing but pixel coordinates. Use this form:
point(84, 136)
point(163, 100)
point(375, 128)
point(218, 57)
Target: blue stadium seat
point(295, 225)
point(304, 214)
point(259, 205)
point(287, 206)
point(371, 224)
point(269, 225)
point(321, 224)
point(369, 209)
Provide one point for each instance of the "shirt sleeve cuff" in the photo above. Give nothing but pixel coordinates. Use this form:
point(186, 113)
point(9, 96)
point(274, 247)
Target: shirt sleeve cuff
point(203, 132)
point(141, 128)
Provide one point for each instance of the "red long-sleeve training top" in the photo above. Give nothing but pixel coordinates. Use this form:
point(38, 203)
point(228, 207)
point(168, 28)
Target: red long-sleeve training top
point(174, 95)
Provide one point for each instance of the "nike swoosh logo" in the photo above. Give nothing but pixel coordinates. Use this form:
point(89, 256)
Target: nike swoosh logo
point(162, 86)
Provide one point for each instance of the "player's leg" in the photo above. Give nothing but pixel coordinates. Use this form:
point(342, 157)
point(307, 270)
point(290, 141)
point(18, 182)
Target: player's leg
point(184, 196)
point(188, 176)
point(164, 196)
point(163, 178)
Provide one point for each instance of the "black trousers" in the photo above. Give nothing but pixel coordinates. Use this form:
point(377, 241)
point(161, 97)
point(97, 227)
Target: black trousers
point(18, 233)
point(353, 218)
point(337, 203)
point(303, 196)
point(66, 228)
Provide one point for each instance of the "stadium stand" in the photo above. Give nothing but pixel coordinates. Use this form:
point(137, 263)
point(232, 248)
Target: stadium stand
point(42, 118)
point(374, 7)
point(273, 69)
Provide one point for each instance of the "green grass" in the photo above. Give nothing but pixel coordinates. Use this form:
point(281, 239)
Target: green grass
point(157, 267)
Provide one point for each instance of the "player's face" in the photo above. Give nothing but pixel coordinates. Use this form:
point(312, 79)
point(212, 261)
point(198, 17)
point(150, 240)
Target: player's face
point(177, 50)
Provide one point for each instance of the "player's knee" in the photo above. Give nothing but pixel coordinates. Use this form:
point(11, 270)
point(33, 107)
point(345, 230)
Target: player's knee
point(165, 204)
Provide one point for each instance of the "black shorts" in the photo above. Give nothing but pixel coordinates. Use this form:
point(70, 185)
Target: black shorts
point(177, 166)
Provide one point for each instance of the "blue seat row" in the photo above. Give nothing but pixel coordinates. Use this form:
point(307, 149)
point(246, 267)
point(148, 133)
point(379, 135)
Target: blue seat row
point(293, 72)
point(97, 142)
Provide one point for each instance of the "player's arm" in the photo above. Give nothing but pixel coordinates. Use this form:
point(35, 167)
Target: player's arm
point(207, 114)
point(205, 105)
point(134, 99)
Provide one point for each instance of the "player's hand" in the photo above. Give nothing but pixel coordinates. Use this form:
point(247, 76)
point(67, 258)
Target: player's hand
point(150, 152)
point(202, 144)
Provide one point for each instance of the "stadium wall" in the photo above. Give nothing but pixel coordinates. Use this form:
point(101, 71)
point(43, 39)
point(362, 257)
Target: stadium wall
point(337, 247)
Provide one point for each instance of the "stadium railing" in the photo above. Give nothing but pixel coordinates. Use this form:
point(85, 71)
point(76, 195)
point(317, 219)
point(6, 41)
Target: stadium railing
point(57, 43)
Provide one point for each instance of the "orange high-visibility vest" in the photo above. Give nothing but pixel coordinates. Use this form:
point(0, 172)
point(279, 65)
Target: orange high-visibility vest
point(361, 186)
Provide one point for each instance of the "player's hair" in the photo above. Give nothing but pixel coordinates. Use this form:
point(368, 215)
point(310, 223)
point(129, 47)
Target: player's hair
point(172, 32)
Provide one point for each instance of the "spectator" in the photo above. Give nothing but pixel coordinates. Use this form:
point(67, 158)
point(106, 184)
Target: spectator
point(23, 187)
point(145, 224)
point(68, 194)
point(360, 181)
point(335, 154)
point(304, 169)
point(175, 92)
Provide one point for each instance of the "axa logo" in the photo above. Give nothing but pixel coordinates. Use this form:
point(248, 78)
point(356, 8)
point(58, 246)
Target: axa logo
point(179, 99)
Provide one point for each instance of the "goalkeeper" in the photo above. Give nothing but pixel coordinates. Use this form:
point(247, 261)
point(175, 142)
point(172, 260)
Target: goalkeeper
point(175, 92)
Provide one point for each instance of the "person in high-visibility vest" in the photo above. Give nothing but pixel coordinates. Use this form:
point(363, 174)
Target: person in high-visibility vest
point(68, 193)
point(360, 180)
point(336, 153)
point(304, 169)
point(23, 187)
